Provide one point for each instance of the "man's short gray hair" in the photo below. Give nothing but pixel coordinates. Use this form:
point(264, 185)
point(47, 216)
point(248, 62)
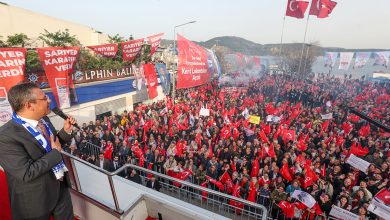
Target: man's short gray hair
point(21, 93)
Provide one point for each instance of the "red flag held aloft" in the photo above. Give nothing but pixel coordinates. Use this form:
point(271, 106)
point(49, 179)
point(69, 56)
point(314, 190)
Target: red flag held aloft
point(322, 8)
point(285, 172)
point(296, 8)
point(287, 208)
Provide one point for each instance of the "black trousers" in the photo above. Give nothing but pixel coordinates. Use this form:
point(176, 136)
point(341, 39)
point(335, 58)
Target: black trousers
point(63, 210)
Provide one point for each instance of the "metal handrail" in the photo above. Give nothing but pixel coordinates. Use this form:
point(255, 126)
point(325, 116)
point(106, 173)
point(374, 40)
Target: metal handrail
point(110, 174)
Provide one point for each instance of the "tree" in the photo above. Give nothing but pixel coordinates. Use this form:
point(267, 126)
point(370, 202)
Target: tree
point(291, 58)
point(18, 40)
point(2, 43)
point(59, 39)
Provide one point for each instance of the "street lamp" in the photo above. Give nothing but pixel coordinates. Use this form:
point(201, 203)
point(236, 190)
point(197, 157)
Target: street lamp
point(174, 52)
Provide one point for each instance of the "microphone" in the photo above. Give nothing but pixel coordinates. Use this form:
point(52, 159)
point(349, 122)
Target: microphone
point(60, 113)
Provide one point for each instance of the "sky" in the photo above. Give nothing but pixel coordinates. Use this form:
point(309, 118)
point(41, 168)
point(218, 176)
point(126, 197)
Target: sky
point(353, 24)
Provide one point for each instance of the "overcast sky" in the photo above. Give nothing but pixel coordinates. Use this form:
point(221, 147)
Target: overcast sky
point(353, 23)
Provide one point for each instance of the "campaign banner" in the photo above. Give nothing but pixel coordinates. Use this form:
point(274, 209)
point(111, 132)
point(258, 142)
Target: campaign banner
point(234, 89)
point(382, 58)
point(106, 50)
point(213, 64)
point(192, 64)
point(273, 118)
point(380, 204)
point(5, 107)
point(154, 42)
point(58, 63)
point(151, 80)
point(254, 119)
point(12, 64)
point(130, 49)
point(361, 59)
point(204, 112)
point(304, 198)
point(330, 59)
point(340, 213)
point(165, 77)
point(358, 163)
point(345, 60)
point(63, 92)
point(327, 116)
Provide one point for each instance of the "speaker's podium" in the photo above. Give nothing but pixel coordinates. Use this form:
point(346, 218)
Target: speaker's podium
point(100, 195)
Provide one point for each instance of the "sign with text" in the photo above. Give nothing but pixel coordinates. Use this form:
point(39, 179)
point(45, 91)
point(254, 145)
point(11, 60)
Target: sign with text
point(340, 213)
point(12, 64)
point(380, 204)
point(58, 63)
point(192, 64)
point(130, 49)
point(154, 42)
point(358, 163)
point(106, 50)
point(234, 89)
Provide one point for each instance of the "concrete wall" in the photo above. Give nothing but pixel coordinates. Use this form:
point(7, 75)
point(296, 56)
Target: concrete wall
point(14, 20)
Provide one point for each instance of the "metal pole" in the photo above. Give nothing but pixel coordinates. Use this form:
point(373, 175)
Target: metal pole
point(281, 44)
point(303, 45)
point(174, 67)
point(307, 53)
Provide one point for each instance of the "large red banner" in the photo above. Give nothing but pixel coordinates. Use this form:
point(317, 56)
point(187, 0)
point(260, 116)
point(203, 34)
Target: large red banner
point(151, 78)
point(106, 50)
point(154, 42)
point(192, 64)
point(130, 49)
point(12, 64)
point(58, 63)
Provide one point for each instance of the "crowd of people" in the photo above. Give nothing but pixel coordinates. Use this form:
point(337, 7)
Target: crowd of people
point(302, 141)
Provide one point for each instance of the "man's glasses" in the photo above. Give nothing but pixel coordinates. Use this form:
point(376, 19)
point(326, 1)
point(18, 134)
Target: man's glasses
point(45, 98)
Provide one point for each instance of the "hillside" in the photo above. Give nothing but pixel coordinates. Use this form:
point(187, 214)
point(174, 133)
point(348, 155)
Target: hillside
point(247, 47)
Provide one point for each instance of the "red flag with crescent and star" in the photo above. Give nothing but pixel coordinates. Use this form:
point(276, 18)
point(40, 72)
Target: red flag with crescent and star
point(296, 8)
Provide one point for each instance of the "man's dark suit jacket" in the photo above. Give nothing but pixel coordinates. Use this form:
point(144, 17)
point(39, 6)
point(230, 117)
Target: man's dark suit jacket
point(156, 185)
point(32, 185)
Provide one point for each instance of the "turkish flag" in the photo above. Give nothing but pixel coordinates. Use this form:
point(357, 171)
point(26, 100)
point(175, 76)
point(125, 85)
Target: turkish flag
point(263, 137)
point(358, 150)
point(322, 8)
point(150, 166)
point(225, 177)
point(236, 193)
point(270, 151)
point(225, 133)
point(285, 172)
point(310, 177)
point(296, 8)
point(302, 146)
point(216, 183)
point(384, 196)
point(255, 168)
point(323, 170)
point(252, 192)
point(364, 130)
point(287, 208)
point(347, 127)
point(288, 135)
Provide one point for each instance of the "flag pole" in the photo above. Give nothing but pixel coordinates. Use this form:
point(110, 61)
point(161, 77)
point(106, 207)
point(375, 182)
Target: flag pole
point(303, 45)
point(281, 42)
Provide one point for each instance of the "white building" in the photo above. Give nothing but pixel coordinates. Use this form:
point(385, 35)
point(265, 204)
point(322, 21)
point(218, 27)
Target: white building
point(15, 20)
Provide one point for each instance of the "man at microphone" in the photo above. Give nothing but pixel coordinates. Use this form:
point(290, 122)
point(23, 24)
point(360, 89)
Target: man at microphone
point(30, 155)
